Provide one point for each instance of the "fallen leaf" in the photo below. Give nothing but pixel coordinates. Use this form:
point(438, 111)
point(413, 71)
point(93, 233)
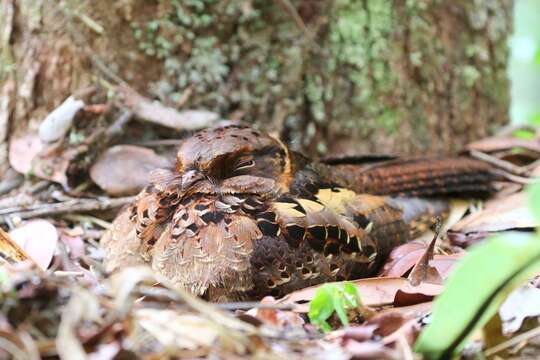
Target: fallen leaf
point(74, 244)
point(22, 151)
point(124, 169)
point(423, 271)
point(360, 332)
point(445, 263)
point(408, 332)
point(458, 208)
point(415, 311)
point(403, 258)
point(407, 298)
point(522, 303)
point(368, 350)
point(177, 331)
point(387, 323)
point(96, 108)
point(38, 238)
point(58, 122)
point(156, 112)
point(52, 163)
point(82, 308)
point(464, 240)
point(279, 318)
point(507, 213)
point(373, 292)
point(105, 351)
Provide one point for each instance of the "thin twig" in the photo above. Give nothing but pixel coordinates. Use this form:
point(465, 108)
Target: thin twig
point(513, 341)
point(167, 295)
point(247, 305)
point(61, 273)
point(64, 207)
point(155, 143)
point(532, 166)
point(518, 179)
point(502, 164)
point(117, 127)
point(89, 219)
point(289, 7)
point(10, 182)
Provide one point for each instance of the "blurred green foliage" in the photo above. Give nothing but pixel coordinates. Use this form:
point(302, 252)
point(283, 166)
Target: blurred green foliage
point(473, 293)
point(524, 64)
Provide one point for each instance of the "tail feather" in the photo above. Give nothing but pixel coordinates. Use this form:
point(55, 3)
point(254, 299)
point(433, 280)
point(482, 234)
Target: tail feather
point(420, 177)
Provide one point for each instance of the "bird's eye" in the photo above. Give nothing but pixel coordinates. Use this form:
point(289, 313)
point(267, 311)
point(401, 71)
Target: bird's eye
point(244, 164)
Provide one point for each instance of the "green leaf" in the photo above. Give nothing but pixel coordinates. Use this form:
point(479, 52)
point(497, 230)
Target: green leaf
point(535, 119)
point(4, 277)
point(338, 301)
point(475, 290)
point(534, 200)
point(321, 307)
point(537, 57)
point(524, 134)
point(351, 295)
point(333, 297)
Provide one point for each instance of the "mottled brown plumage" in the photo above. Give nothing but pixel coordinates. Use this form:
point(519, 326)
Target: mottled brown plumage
point(241, 216)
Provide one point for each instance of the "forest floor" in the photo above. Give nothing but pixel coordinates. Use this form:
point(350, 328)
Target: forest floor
point(57, 300)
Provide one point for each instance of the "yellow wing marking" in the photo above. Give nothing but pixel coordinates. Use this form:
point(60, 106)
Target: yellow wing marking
point(288, 209)
point(336, 198)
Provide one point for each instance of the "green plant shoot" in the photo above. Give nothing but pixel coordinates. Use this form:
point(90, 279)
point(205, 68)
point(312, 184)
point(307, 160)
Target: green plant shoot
point(330, 298)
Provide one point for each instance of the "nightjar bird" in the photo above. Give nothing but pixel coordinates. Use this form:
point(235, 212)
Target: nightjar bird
point(240, 216)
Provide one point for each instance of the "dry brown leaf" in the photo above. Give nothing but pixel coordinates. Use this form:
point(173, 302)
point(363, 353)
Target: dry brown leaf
point(403, 261)
point(177, 331)
point(38, 238)
point(373, 292)
point(124, 169)
point(403, 258)
point(458, 208)
point(522, 303)
point(82, 307)
point(464, 240)
point(360, 332)
point(74, 244)
point(279, 318)
point(415, 311)
point(158, 113)
point(369, 350)
point(52, 163)
point(499, 214)
point(446, 263)
point(22, 151)
point(423, 271)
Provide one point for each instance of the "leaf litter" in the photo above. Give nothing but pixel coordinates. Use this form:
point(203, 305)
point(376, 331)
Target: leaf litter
point(59, 302)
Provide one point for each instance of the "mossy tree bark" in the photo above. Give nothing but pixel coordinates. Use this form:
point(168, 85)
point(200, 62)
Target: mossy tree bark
point(338, 76)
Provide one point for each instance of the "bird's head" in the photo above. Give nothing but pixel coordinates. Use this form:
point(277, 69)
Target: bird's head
point(233, 159)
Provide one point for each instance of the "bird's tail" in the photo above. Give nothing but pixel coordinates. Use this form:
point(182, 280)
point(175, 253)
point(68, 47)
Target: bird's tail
point(420, 177)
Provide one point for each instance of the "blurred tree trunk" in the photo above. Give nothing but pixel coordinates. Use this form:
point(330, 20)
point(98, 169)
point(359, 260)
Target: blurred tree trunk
point(329, 75)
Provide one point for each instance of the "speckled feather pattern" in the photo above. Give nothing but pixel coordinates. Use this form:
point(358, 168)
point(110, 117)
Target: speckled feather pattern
point(240, 216)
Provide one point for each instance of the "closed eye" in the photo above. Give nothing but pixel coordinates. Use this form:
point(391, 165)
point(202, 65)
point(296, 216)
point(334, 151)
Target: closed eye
point(243, 165)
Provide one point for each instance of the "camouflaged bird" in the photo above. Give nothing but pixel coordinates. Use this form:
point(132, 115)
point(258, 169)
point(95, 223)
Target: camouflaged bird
point(241, 216)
